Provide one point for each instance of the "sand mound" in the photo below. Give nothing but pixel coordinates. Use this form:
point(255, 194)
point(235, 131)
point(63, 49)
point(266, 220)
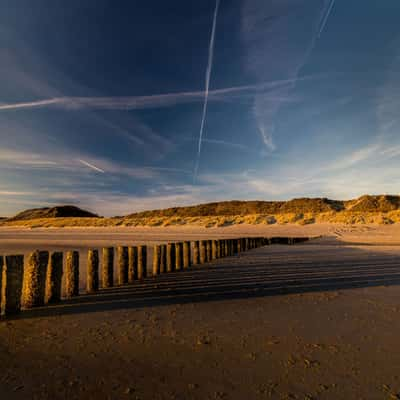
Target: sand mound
point(53, 212)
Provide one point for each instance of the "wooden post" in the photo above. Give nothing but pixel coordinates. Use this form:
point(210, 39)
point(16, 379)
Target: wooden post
point(214, 250)
point(12, 281)
point(133, 264)
point(72, 274)
point(186, 255)
point(92, 277)
point(178, 256)
point(34, 285)
point(107, 276)
point(170, 257)
point(196, 252)
point(123, 264)
point(54, 278)
point(203, 251)
point(156, 259)
point(142, 262)
point(222, 248)
point(163, 259)
point(1, 277)
point(208, 249)
point(235, 246)
point(226, 248)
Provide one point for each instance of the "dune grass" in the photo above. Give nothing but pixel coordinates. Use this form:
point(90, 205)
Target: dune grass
point(344, 217)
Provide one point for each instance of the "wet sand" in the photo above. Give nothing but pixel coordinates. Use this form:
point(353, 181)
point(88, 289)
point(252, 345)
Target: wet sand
point(320, 320)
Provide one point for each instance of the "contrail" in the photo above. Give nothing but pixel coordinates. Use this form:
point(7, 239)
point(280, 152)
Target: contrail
point(151, 101)
point(208, 75)
point(325, 20)
point(32, 104)
point(92, 166)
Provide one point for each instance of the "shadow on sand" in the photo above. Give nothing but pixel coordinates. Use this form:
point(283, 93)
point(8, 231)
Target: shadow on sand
point(322, 265)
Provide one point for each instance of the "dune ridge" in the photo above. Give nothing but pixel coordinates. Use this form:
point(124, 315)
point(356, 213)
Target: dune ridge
point(382, 210)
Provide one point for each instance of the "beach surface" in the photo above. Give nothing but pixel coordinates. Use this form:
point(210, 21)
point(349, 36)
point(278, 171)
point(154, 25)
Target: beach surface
point(319, 320)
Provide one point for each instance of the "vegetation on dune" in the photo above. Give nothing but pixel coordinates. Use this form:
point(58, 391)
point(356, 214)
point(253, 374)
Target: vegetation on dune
point(235, 207)
point(365, 210)
point(53, 212)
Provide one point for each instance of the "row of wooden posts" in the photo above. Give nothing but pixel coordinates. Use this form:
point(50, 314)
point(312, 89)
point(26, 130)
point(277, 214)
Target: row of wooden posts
point(39, 281)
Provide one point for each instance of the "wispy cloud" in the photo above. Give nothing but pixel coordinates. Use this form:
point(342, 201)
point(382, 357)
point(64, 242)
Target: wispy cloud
point(25, 158)
point(15, 193)
point(269, 51)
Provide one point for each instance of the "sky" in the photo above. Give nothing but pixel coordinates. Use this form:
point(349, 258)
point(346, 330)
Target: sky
point(119, 107)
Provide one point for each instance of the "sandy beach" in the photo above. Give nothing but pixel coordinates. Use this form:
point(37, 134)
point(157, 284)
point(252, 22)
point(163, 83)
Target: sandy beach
point(318, 320)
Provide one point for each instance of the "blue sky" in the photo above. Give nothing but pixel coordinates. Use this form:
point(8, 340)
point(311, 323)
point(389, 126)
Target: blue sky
point(101, 104)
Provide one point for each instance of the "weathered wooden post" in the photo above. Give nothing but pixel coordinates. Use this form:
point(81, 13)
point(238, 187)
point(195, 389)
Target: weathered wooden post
point(209, 250)
point(231, 249)
point(186, 255)
point(170, 257)
point(214, 250)
point(178, 256)
point(92, 276)
point(235, 246)
point(203, 251)
point(133, 264)
point(11, 284)
point(142, 262)
point(34, 285)
point(196, 252)
point(123, 264)
point(163, 259)
point(221, 248)
point(107, 276)
point(54, 278)
point(1, 277)
point(72, 274)
point(156, 259)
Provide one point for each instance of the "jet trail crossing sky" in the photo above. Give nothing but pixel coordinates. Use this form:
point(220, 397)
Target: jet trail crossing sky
point(325, 20)
point(208, 76)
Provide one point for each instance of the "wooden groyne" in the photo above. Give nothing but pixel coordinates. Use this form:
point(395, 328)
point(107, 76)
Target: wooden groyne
point(37, 280)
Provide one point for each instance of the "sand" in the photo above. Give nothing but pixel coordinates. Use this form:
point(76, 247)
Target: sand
point(320, 320)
